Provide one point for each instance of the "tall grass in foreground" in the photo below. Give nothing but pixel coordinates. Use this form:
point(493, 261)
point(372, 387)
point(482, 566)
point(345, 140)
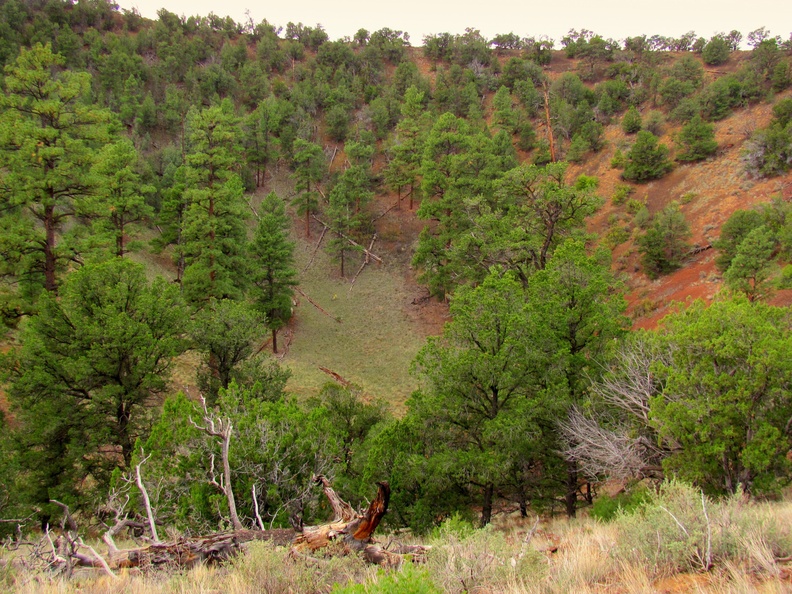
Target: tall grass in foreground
point(676, 541)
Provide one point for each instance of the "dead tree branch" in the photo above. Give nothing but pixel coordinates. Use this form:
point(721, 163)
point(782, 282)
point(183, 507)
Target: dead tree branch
point(316, 305)
point(221, 428)
point(374, 257)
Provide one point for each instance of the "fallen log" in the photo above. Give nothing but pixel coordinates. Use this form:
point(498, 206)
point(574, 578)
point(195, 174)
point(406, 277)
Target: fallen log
point(354, 530)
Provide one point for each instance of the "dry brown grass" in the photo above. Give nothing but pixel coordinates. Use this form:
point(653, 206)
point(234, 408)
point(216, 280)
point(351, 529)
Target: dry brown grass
point(560, 556)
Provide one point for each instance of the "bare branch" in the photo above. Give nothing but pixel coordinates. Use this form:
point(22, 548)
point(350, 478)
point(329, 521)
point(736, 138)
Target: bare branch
point(146, 500)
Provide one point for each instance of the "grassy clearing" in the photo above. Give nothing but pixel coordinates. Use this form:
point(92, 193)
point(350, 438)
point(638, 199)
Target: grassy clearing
point(374, 343)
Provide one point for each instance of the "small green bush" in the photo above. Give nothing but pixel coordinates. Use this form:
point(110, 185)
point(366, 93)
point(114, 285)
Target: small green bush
point(619, 160)
point(634, 205)
point(616, 236)
point(631, 122)
point(607, 508)
point(621, 193)
point(408, 580)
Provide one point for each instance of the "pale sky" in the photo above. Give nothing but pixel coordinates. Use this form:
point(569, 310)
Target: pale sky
point(610, 18)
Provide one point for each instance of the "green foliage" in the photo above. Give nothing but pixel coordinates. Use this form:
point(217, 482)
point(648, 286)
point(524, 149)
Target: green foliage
point(409, 580)
point(664, 245)
point(214, 220)
point(647, 159)
point(716, 51)
point(48, 135)
point(728, 366)
point(309, 169)
point(696, 141)
point(607, 508)
point(733, 232)
point(618, 161)
point(769, 152)
point(752, 266)
point(477, 387)
point(121, 208)
point(273, 274)
point(89, 369)
point(621, 193)
point(631, 122)
point(276, 445)
point(227, 333)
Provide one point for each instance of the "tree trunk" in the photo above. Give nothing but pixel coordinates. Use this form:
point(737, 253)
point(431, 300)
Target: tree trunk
point(50, 259)
point(571, 489)
point(486, 507)
point(232, 510)
point(274, 341)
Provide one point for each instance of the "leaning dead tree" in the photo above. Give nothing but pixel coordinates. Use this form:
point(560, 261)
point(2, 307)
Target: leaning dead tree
point(355, 530)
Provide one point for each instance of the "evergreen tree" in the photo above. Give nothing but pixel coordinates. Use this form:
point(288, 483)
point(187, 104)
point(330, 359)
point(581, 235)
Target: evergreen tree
point(214, 221)
point(631, 122)
point(575, 303)
point(665, 245)
point(47, 141)
point(90, 366)
point(752, 265)
point(724, 409)
point(120, 207)
point(226, 333)
point(309, 169)
point(404, 166)
point(696, 140)
point(478, 403)
point(348, 198)
point(647, 159)
point(274, 274)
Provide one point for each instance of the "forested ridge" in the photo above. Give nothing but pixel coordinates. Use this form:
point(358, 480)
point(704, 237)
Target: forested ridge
point(156, 176)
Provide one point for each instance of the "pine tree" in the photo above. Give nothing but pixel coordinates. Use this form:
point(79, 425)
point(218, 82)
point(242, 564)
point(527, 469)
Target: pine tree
point(309, 169)
point(274, 274)
point(696, 140)
point(647, 159)
point(120, 206)
point(348, 199)
point(90, 365)
point(214, 227)
point(47, 141)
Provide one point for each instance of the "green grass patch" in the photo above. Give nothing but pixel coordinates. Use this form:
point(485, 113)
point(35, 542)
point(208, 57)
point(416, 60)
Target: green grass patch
point(374, 343)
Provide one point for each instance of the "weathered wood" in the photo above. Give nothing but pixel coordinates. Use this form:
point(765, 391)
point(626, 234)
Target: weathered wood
point(374, 257)
point(316, 305)
point(355, 531)
point(337, 377)
point(342, 511)
point(365, 262)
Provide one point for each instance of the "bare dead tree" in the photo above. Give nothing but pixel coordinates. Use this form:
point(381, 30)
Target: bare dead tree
point(616, 439)
point(222, 428)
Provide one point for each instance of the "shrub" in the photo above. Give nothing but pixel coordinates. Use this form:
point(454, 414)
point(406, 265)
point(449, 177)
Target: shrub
point(616, 235)
point(618, 161)
point(696, 140)
point(607, 508)
point(769, 152)
point(679, 529)
point(664, 245)
point(647, 159)
point(621, 193)
point(631, 122)
point(408, 580)
point(716, 51)
point(634, 206)
point(654, 122)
